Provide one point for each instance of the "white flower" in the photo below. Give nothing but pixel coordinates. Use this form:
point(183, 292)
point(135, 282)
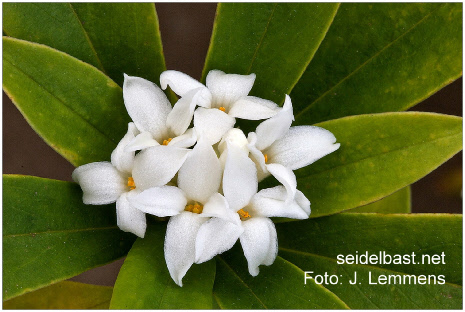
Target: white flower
point(149, 108)
point(256, 231)
point(196, 200)
point(223, 99)
point(126, 176)
point(277, 148)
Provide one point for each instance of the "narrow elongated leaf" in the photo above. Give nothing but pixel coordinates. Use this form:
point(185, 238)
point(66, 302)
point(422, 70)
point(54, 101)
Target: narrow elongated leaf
point(114, 37)
point(381, 57)
point(75, 108)
point(53, 24)
point(63, 295)
point(320, 245)
point(379, 155)
point(276, 41)
point(398, 202)
point(145, 283)
point(279, 286)
point(126, 38)
point(49, 235)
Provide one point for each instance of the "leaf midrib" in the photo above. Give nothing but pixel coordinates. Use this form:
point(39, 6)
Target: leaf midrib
point(86, 35)
point(261, 39)
point(242, 281)
point(58, 99)
point(303, 111)
point(60, 231)
point(380, 154)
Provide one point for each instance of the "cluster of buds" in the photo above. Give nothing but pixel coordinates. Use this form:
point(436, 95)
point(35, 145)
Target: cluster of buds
point(189, 163)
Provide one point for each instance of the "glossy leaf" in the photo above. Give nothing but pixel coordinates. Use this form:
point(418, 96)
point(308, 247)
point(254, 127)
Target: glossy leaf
point(379, 155)
point(144, 281)
point(398, 202)
point(316, 245)
point(63, 295)
point(279, 286)
point(53, 24)
point(276, 41)
point(49, 235)
point(114, 37)
point(75, 108)
point(380, 58)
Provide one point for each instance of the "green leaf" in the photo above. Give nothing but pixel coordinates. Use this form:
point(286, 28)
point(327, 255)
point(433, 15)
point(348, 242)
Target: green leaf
point(126, 38)
point(279, 286)
point(398, 202)
point(114, 37)
point(379, 155)
point(381, 57)
point(145, 283)
point(63, 295)
point(75, 108)
point(49, 235)
point(276, 41)
point(53, 24)
point(424, 235)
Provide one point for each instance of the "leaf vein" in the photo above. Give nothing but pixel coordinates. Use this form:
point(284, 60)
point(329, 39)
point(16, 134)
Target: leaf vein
point(261, 39)
point(87, 38)
point(380, 154)
point(59, 100)
point(364, 64)
point(60, 231)
point(242, 281)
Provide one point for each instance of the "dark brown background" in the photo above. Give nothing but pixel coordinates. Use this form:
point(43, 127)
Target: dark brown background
point(186, 30)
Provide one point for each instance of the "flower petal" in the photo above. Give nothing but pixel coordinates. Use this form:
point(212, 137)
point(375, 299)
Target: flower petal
point(188, 139)
point(130, 219)
point(215, 237)
point(100, 182)
point(218, 207)
point(259, 242)
point(286, 177)
point(253, 108)
point(256, 155)
point(236, 137)
point(179, 82)
point(181, 233)
point(140, 142)
point(180, 117)
point(212, 124)
point(200, 175)
point(122, 159)
point(228, 88)
point(147, 105)
point(271, 202)
point(163, 201)
point(301, 146)
point(239, 178)
point(274, 128)
point(156, 166)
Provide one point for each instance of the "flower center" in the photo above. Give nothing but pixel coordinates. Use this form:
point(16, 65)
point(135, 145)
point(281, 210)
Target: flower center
point(243, 214)
point(131, 183)
point(166, 142)
point(195, 208)
point(266, 158)
point(222, 109)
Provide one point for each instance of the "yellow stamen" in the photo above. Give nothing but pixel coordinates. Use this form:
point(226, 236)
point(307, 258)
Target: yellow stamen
point(194, 208)
point(222, 109)
point(243, 214)
point(266, 158)
point(131, 183)
point(165, 142)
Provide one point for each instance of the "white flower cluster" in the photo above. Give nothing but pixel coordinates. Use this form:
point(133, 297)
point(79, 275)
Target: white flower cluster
point(210, 191)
